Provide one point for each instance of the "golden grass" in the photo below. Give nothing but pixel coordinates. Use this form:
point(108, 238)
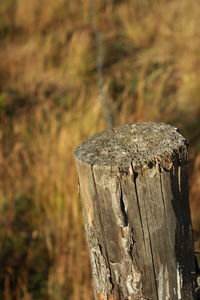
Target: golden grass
point(55, 72)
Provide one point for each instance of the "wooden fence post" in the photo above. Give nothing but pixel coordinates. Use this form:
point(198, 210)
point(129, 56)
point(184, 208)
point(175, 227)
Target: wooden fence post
point(133, 186)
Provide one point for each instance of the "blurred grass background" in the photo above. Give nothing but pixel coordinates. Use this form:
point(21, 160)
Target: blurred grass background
point(69, 69)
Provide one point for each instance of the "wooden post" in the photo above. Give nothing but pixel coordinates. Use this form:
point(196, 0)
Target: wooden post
point(133, 186)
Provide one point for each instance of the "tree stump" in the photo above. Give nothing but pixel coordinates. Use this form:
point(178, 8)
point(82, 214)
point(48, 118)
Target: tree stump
point(134, 190)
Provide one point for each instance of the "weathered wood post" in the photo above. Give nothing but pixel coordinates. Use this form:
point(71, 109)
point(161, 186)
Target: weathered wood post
point(133, 185)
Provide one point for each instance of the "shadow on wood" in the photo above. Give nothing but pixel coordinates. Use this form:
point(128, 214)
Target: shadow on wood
point(133, 186)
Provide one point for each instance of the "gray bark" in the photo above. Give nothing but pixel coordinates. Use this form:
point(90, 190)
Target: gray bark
point(133, 186)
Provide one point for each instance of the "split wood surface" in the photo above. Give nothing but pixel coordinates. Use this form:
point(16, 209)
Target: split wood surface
point(133, 185)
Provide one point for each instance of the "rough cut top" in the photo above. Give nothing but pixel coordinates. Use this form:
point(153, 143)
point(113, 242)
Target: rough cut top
point(138, 144)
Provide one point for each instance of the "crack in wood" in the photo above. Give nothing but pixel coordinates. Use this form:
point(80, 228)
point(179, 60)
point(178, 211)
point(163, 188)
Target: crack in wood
point(133, 189)
point(126, 272)
point(138, 205)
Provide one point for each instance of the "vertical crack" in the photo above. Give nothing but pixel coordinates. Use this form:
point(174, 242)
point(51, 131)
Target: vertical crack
point(137, 199)
point(151, 249)
point(163, 200)
point(142, 225)
point(153, 263)
point(123, 207)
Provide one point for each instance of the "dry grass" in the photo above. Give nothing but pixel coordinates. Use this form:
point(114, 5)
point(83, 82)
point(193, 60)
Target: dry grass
point(55, 72)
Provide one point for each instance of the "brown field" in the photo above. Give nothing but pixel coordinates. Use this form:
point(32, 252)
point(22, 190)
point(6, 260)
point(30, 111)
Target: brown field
point(69, 69)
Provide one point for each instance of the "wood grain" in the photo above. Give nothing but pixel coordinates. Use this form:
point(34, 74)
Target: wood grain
point(133, 186)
